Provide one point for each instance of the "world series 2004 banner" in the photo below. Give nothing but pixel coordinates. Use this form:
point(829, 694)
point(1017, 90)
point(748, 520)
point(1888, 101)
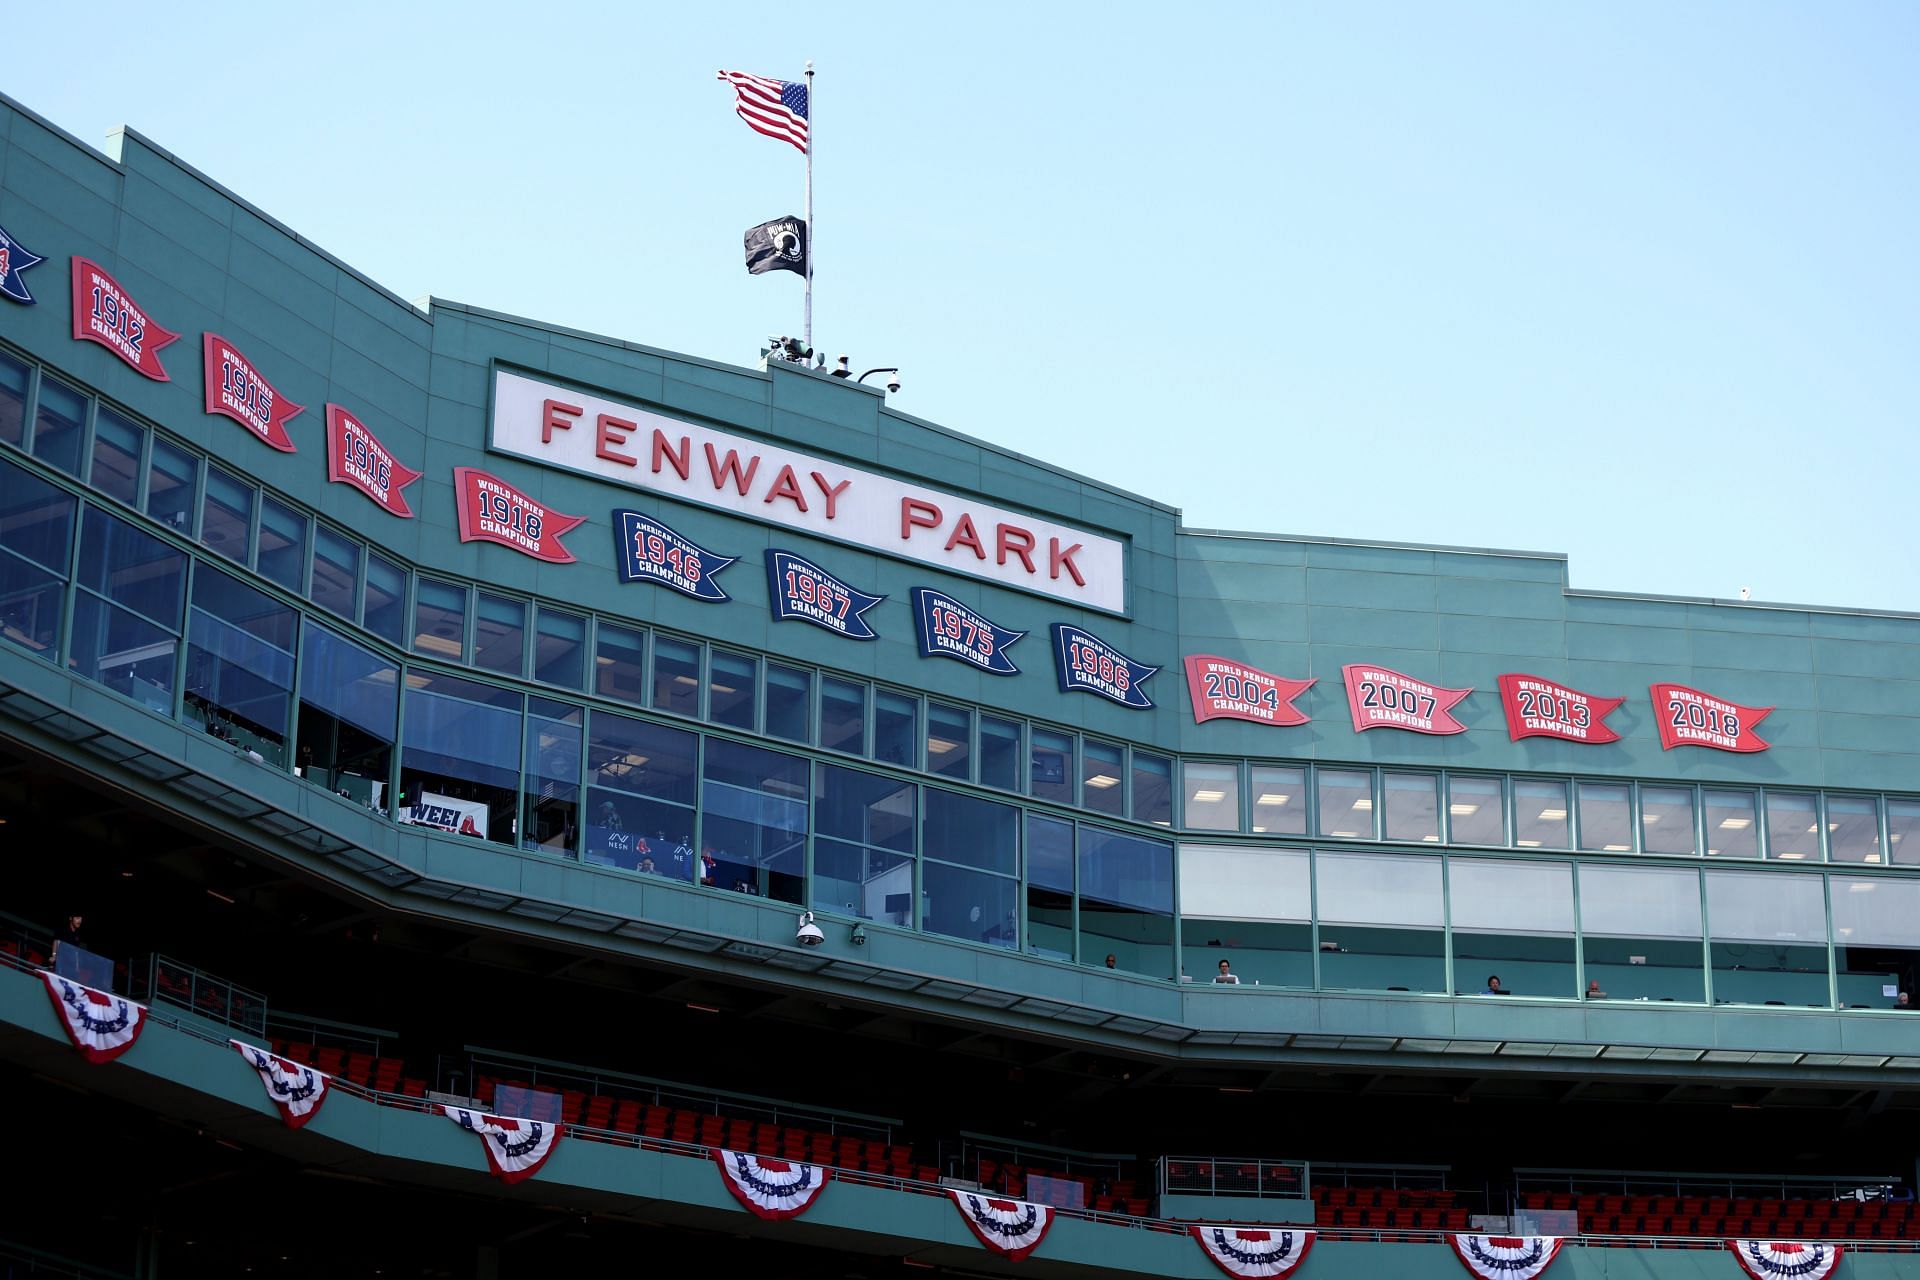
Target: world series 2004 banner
point(295, 1088)
point(651, 552)
point(1013, 1228)
point(769, 1188)
point(1690, 718)
point(1087, 664)
point(1384, 699)
point(1539, 708)
point(949, 629)
point(515, 1148)
point(14, 259)
point(491, 510)
point(101, 1025)
point(1786, 1259)
point(1254, 1253)
point(802, 589)
point(356, 457)
point(103, 313)
point(1506, 1257)
point(1223, 688)
point(235, 389)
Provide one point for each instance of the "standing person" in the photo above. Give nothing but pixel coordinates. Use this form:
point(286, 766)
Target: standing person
point(1227, 975)
point(67, 948)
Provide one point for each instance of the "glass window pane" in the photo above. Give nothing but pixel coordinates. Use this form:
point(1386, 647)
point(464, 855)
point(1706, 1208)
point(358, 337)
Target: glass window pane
point(1606, 820)
point(13, 400)
point(1540, 815)
point(1853, 829)
point(676, 676)
point(30, 601)
point(1903, 820)
point(117, 444)
point(1666, 820)
point(1051, 770)
point(240, 665)
point(499, 634)
point(863, 880)
point(1212, 795)
point(896, 729)
point(789, 695)
point(132, 568)
point(753, 821)
point(559, 648)
point(1102, 779)
point(1050, 888)
point(1279, 800)
point(1126, 901)
point(440, 621)
point(1513, 919)
point(349, 708)
point(460, 761)
point(386, 611)
point(553, 775)
point(1731, 829)
point(226, 515)
point(731, 681)
point(864, 808)
point(36, 518)
point(957, 902)
point(59, 422)
point(640, 795)
point(619, 664)
point(1380, 922)
point(1346, 803)
point(1641, 934)
point(966, 829)
point(1255, 904)
point(1000, 756)
point(336, 572)
point(1413, 813)
point(171, 476)
point(843, 716)
point(1152, 789)
point(1476, 812)
point(123, 651)
point(1769, 938)
point(1876, 938)
point(949, 738)
point(1793, 829)
point(283, 544)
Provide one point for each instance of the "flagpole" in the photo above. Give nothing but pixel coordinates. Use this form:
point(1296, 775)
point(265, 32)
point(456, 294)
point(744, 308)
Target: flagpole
point(806, 335)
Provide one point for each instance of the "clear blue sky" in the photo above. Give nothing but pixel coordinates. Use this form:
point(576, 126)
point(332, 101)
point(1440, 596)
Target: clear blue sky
point(1639, 282)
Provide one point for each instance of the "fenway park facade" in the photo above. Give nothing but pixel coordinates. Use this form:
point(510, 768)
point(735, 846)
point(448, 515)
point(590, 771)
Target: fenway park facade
point(634, 811)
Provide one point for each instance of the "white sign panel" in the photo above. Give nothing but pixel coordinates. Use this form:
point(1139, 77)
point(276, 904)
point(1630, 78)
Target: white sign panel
point(630, 446)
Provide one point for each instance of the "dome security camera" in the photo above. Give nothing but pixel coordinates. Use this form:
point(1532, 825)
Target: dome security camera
point(893, 383)
point(808, 933)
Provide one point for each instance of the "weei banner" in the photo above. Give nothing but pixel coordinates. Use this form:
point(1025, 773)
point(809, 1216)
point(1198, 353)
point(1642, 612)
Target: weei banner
point(649, 551)
point(235, 389)
point(356, 457)
point(1690, 718)
point(1225, 689)
point(1087, 664)
point(103, 313)
point(491, 510)
point(1539, 708)
point(1384, 699)
point(14, 259)
point(801, 589)
point(949, 629)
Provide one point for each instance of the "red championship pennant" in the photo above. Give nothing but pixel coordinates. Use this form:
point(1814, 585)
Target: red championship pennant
point(1222, 687)
point(236, 390)
point(103, 313)
point(1383, 699)
point(491, 510)
point(354, 457)
point(1690, 718)
point(1539, 708)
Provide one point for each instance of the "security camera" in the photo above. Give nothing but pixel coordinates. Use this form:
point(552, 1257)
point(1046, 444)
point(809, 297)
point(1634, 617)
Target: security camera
point(840, 369)
point(859, 936)
point(893, 383)
point(808, 934)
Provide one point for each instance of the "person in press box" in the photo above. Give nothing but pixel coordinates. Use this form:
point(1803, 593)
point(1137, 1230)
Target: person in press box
point(1227, 975)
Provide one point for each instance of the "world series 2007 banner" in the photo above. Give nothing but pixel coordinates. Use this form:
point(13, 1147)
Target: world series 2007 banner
point(1087, 664)
point(802, 589)
point(649, 551)
point(1380, 698)
point(103, 313)
point(235, 389)
point(356, 457)
point(1539, 708)
point(949, 629)
point(1223, 688)
point(491, 510)
point(1690, 718)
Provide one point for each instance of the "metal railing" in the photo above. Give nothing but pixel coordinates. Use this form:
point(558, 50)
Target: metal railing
point(174, 982)
point(1728, 1186)
point(1228, 1176)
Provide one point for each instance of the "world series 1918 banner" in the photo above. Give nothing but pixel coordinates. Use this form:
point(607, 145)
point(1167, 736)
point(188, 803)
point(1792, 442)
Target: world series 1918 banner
point(491, 510)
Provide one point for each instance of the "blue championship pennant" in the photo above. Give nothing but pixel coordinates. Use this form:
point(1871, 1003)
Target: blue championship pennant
point(948, 629)
point(1089, 664)
point(14, 259)
point(651, 552)
point(801, 589)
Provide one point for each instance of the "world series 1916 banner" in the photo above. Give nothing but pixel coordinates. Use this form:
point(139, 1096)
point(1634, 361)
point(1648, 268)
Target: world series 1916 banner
point(103, 313)
point(948, 629)
point(1087, 664)
point(236, 390)
point(1383, 699)
point(1223, 688)
point(1690, 718)
point(356, 457)
point(491, 510)
point(1539, 708)
point(801, 589)
point(651, 552)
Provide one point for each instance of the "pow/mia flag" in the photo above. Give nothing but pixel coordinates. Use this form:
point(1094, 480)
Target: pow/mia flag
point(780, 245)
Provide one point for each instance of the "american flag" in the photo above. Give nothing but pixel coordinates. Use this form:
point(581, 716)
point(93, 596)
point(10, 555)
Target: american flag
point(777, 108)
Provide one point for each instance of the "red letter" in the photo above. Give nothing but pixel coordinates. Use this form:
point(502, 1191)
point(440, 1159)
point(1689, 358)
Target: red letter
point(1011, 537)
point(787, 485)
point(682, 461)
point(965, 535)
point(610, 431)
point(833, 493)
point(551, 421)
point(731, 470)
point(1056, 558)
point(915, 514)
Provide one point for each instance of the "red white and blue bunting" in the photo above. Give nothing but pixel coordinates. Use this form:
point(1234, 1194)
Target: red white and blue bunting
point(1786, 1259)
point(515, 1148)
point(294, 1087)
point(101, 1025)
point(1250, 1252)
point(1014, 1228)
point(769, 1188)
point(1506, 1257)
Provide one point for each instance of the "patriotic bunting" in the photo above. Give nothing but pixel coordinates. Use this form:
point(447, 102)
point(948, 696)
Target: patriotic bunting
point(1250, 1252)
point(770, 1189)
point(1506, 1257)
point(294, 1087)
point(1014, 1228)
point(515, 1148)
point(101, 1025)
point(1785, 1259)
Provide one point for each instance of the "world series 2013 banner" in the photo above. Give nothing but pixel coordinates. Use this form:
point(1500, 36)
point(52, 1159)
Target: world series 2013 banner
point(1087, 664)
point(1539, 708)
point(103, 313)
point(235, 389)
point(1691, 718)
point(356, 457)
point(14, 259)
point(949, 629)
point(491, 510)
point(649, 551)
point(802, 589)
point(1223, 688)
point(1380, 698)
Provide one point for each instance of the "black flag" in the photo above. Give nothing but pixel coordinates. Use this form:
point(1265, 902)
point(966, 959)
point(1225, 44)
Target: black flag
point(780, 245)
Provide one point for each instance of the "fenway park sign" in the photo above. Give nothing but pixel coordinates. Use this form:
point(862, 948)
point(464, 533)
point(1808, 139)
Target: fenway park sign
point(627, 445)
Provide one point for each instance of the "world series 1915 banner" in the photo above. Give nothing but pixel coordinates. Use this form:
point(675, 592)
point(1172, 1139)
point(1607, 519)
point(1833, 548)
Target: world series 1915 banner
point(103, 313)
point(1087, 664)
point(235, 389)
point(1539, 708)
point(1383, 699)
point(651, 552)
point(801, 589)
point(491, 510)
point(948, 629)
point(1223, 688)
point(1690, 718)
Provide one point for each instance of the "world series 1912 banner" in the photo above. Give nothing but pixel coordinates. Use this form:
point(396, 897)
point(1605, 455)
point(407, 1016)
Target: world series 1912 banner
point(949, 629)
point(491, 510)
point(649, 551)
point(1384, 699)
point(103, 313)
point(1087, 664)
point(1539, 708)
point(1223, 688)
point(1690, 718)
point(801, 589)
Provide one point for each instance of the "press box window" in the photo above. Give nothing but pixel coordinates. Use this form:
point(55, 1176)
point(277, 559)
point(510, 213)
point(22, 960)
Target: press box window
point(1793, 827)
point(1476, 810)
point(1052, 766)
point(1152, 789)
point(1279, 800)
point(440, 620)
point(283, 544)
point(789, 698)
point(59, 423)
point(1212, 795)
point(171, 476)
point(620, 664)
point(1102, 779)
point(676, 676)
point(560, 648)
point(336, 572)
point(226, 514)
point(386, 611)
point(1346, 804)
point(117, 445)
point(13, 400)
point(1853, 829)
point(1606, 820)
point(499, 634)
point(731, 678)
point(949, 739)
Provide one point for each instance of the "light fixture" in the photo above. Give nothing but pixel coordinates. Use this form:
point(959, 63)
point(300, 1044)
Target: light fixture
point(808, 934)
point(1528, 844)
point(1616, 848)
point(1648, 819)
point(1553, 815)
point(939, 746)
point(1463, 810)
point(1273, 797)
point(1208, 797)
point(1102, 781)
point(1735, 824)
point(1364, 804)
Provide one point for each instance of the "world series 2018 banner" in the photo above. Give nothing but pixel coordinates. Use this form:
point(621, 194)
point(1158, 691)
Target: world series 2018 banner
point(1087, 664)
point(1383, 699)
point(103, 313)
point(802, 589)
point(356, 457)
point(1539, 708)
point(491, 510)
point(651, 552)
point(949, 629)
point(235, 389)
point(1223, 688)
point(1690, 718)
